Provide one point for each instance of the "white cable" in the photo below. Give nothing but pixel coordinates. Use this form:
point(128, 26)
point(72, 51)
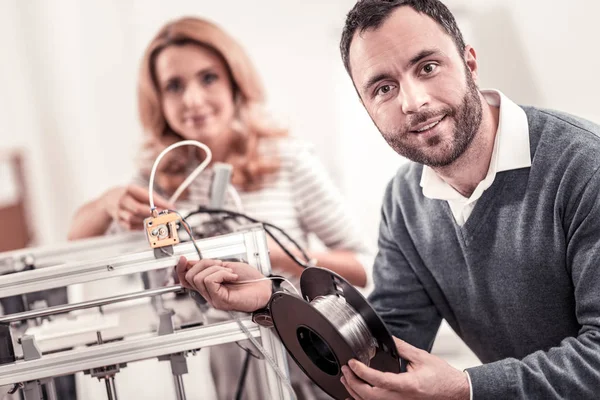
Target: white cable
point(189, 179)
point(279, 278)
point(237, 200)
point(193, 175)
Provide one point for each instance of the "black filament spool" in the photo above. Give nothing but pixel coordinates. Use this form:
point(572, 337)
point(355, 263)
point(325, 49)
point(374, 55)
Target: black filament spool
point(315, 343)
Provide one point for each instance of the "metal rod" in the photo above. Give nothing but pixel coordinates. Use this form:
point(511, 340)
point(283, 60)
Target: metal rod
point(88, 304)
point(114, 387)
point(44, 253)
point(179, 388)
point(51, 390)
point(109, 392)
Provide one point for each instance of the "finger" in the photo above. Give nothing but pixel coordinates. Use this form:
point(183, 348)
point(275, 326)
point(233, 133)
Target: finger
point(192, 269)
point(351, 392)
point(182, 262)
point(247, 271)
point(161, 202)
point(196, 266)
point(214, 285)
point(181, 268)
point(360, 387)
point(142, 210)
point(184, 265)
point(124, 216)
point(408, 352)
point(213, 292)
point(141, 195)
point(197, 280)
point(371, 376)
point(127, 220)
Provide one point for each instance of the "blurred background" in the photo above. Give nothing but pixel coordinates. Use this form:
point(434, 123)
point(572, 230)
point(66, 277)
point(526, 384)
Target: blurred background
point(69, 127)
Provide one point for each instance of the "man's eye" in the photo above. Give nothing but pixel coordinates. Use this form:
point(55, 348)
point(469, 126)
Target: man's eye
point(385, 89)
point(429, 68)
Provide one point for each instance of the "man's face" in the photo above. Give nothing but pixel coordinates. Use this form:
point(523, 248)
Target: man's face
point(417, 88)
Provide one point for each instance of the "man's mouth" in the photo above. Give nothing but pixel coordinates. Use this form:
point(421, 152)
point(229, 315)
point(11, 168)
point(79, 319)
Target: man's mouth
point(427, 125)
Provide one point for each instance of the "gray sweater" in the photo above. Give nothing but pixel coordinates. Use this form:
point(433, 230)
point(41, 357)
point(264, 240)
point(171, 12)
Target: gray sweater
point(520, 281)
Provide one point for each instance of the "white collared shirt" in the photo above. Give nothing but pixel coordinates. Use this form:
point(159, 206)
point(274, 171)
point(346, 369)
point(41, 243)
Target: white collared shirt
point(511, 151)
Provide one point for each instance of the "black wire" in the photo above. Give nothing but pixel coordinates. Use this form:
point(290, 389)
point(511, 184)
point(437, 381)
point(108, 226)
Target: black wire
point(247, 350)
point(189, 232)
point(204, 210)
point(242, 378)
point(286, 251)
point(306, 257)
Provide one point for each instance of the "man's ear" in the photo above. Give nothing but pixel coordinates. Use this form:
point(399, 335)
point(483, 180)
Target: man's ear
point(470, 57)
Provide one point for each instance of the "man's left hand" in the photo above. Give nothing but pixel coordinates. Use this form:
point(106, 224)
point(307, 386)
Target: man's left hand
point(427, 377)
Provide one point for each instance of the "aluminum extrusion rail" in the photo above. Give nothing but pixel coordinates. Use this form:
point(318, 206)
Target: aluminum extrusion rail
point(129, 350)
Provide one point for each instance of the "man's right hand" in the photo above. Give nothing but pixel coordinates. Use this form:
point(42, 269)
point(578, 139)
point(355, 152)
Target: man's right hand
point(129, 205)
point(216, 281)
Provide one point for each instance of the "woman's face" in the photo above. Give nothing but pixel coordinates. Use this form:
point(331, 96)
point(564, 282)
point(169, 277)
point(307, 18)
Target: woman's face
point(196, 92)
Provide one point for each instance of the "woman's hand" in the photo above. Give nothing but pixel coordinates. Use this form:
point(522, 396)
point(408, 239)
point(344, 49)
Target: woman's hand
point(217, 282)
point(129, 205)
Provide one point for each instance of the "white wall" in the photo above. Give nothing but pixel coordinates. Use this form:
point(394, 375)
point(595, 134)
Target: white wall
point(543, 52)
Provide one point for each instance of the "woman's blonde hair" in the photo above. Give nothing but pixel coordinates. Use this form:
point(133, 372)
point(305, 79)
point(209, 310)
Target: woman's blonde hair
point(249, 97)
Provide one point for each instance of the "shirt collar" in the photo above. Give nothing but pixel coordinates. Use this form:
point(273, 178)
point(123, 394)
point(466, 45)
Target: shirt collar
point(511, 150)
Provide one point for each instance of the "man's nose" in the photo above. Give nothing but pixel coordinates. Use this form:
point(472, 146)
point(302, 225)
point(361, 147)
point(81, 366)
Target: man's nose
point(414, 97)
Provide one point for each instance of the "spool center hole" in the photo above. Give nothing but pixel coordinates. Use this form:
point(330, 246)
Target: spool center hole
point(318, 351)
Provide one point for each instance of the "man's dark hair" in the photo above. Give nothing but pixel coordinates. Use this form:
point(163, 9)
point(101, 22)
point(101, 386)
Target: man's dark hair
point(371, 14)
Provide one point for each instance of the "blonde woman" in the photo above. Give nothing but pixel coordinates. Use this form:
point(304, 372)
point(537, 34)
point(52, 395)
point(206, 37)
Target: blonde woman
point(196, 82)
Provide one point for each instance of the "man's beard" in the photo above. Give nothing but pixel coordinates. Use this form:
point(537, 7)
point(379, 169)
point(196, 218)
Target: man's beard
point(467, 119)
